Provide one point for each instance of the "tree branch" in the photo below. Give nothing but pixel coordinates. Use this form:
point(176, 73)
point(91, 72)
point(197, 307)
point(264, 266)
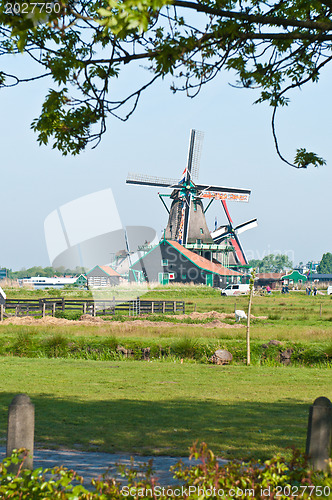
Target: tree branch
point(256, 19)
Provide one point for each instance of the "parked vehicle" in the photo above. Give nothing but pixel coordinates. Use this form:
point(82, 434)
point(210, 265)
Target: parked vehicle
point(329, 290)
point(236, 289)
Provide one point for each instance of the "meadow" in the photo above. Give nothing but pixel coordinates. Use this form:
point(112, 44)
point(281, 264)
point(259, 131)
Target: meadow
point(90, 400)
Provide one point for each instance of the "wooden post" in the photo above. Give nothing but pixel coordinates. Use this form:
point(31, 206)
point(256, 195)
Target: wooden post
point(21, 428)
point(43, 309)
point(1, 312)
point(164, 306)
point(152, 307)
point(63, 304)
point(94, 309)
point(174, 306)
point(84, 307)
point(248, 328)
point(138, 306)
point(319, 434)
point(16, 310)
point(53, 309)
point(252, 281)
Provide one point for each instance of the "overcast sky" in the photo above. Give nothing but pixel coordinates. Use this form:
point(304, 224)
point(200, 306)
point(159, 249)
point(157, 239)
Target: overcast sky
point(292, 206)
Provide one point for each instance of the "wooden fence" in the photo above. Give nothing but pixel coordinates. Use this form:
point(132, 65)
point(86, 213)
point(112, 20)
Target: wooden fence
point(50, 306)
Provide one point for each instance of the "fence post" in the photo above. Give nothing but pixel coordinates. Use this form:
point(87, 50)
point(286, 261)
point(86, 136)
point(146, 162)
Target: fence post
point(53, 309)
point(164, 306)
point(1, 312)
point(319, 434)
point(63, 304)
point(94, 309)
point(21, 428)
point(174, 306)
point(43, 309)
point(84, 307)
point(152, 307)
point(138, 306)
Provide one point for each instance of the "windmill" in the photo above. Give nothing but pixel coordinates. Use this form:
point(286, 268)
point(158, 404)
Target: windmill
point(230, 233)
point(186, 222)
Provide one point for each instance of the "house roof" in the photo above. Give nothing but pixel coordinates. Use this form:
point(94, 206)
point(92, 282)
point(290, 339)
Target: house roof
point(202, 262)
point(269, 276)
point(107, 269)
point(321, 275)
point(294, 275)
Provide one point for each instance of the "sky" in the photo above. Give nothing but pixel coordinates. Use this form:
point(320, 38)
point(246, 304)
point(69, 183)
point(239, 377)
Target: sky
point(292, 206)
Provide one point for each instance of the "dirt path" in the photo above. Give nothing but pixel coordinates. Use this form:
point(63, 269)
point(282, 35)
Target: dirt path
point(86, 319)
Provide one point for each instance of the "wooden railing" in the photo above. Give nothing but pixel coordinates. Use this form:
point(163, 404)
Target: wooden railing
point(50, 306)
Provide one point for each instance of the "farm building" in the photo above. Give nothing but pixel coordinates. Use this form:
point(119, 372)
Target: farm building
point(102, 276)
point(171, 262)
point(81, 281)
point(268, 279)
point(321, 278)
point(293, 278)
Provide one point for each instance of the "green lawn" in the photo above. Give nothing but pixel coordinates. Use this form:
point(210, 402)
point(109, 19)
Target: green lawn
point(162, 407)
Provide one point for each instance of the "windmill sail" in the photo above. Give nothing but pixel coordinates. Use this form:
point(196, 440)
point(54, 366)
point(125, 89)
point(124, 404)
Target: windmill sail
point(223, 193)
point(194, 153)
point(250, 224)
point(149, 180)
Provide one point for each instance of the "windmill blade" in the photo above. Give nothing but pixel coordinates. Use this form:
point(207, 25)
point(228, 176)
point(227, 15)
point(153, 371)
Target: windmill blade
point(194, 153)
point(220, 234)
point(222, 193)
point(224, 205)
point(241, 256)
point(148, 180)
point(250, 224)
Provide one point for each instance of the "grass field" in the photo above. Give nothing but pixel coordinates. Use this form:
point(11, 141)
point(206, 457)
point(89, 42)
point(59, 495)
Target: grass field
point(162, 406)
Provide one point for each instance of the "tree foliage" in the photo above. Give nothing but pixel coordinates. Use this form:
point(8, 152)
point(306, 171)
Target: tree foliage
point(272, 263)
point(83, 47)
point(325, 265)
point(48, 272)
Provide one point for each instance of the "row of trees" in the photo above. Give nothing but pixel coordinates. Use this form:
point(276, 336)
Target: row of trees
point(277, 263)
point(272, 263)
point(48, 272)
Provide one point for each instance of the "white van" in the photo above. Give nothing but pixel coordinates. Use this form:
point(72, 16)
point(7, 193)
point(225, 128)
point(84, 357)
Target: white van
point(238, 289)
point(329, 290)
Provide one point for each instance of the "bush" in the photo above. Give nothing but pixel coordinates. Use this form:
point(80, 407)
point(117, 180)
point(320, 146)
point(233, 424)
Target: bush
point(273, 479)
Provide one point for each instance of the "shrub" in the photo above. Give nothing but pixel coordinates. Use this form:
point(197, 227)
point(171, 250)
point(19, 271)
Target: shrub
point(56, 346)
point(273, 479)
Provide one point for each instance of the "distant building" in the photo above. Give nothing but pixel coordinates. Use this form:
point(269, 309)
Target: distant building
point(81, 281)
point(293, 278)
point(40, 282)
point(170, 262)
point(102, 276)
point(320, 278)
point(268, 279)
point(309, 266)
